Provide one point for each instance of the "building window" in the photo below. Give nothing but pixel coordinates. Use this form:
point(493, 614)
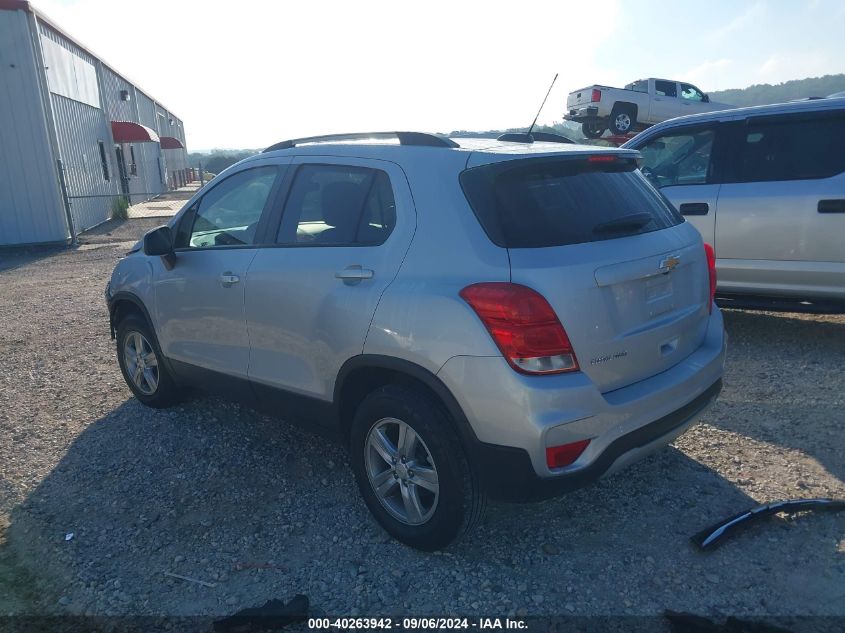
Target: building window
point(104, 161)
point(133, 166)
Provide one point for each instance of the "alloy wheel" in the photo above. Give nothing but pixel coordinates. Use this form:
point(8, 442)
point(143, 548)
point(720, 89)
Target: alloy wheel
point(623, 121)
point(401, 471)
point(141, 363)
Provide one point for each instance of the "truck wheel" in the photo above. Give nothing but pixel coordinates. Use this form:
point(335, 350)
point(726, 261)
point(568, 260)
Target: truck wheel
point(622, 120)
point(593, 129)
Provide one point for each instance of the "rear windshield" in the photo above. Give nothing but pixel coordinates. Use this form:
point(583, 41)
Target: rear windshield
point(535, 203)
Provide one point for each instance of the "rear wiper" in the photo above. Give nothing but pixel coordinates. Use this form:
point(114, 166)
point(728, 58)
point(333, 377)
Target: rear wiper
point(630, 222)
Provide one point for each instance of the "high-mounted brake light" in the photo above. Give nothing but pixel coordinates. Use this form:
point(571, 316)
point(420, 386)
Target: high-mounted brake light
point(711, 269)
point(524, 327)
point(565, 454)
point(596, 96)
point(601, 158)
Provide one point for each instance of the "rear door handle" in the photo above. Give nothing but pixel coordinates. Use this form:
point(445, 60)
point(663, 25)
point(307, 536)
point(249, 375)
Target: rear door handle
point(354, 274)
point(695, 208)
point(831, 206)
point(228, 279)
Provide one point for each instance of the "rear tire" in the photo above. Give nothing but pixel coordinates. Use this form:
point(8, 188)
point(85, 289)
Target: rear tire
point(593, 129)
point(622, 120)
point(447, 501)
point(141, 363)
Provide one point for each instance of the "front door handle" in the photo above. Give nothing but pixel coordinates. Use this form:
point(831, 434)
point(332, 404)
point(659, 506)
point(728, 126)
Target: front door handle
point(694, 208)
point(228, 279)
point(354, 274)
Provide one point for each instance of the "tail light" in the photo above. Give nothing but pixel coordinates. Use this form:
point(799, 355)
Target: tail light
point(711, 269)
point(524, 326)
point(565, 454)
point(596, 96)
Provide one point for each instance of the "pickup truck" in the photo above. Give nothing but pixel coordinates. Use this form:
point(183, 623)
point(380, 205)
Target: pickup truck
point(637, 105)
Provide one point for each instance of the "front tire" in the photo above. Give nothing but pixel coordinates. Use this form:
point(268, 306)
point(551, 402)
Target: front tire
point(411, 469)
point(141, 363)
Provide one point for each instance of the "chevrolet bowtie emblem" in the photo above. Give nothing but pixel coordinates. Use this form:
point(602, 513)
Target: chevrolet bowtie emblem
point(667, 264)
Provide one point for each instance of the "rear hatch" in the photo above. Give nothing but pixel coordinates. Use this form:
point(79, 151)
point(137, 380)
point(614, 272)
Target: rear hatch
point(626, 276)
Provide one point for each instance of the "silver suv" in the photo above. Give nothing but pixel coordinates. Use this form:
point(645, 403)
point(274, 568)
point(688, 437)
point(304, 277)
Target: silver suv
point(490, 319)
point(766, 187)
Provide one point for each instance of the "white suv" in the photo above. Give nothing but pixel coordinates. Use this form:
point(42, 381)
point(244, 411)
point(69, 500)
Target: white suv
point(492, 319)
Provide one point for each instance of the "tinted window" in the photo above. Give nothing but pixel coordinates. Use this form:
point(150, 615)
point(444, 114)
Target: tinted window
point(666, 88)
point(335, 204)
point(546, 202)
point(790, 148)
point(679, 158)
point(228, 215)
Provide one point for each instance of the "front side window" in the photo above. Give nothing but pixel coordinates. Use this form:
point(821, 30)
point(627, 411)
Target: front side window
point(666, 88)
point(691, 93)
point(679, 158)
point(228, 215)
point(338, 205)
point(789, 148)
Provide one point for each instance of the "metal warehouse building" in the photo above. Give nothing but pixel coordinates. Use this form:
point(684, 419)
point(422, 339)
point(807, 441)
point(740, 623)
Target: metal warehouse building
point(76, 137)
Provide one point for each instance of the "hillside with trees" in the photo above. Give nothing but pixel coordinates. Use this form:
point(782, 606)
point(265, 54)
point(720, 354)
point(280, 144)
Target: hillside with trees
point(762, 94)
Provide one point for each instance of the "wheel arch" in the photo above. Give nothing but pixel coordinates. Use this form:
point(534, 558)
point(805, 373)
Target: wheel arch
point(361, 374)
point(632, 108)
point(123, 303)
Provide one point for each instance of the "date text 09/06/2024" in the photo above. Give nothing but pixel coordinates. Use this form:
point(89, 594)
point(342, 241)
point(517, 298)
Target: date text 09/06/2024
point(363, 623)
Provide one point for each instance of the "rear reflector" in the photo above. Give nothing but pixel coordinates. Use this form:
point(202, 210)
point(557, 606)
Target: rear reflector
point(565, 454)
point(596, 96)
point(524, 327)
point(711, 269)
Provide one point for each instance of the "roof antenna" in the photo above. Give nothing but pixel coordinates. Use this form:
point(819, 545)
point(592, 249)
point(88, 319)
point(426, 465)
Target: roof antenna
point(541, 106)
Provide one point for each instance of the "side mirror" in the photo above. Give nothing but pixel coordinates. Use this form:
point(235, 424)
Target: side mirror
point(159, 242)
point(705, 99)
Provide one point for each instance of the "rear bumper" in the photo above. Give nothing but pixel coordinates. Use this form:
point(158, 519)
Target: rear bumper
point(582, 113)
point(507, 473)
point(514, 418)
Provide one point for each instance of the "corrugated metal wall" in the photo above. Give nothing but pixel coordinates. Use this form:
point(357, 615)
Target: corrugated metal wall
point(84, 97)
point(31, 209)
point(150, 178)
point(80, 127)
point(114, 106)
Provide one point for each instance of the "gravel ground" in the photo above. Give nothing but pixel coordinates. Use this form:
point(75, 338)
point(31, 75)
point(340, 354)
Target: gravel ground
point(261, 510)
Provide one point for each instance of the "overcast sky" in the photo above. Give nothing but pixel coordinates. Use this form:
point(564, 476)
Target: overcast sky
point(246, 74)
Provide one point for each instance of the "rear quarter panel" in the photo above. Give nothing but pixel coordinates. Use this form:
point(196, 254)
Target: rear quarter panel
point(421, 317)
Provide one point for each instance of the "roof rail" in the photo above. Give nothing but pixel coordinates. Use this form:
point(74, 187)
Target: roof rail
point(405, 138)
point(525, 137)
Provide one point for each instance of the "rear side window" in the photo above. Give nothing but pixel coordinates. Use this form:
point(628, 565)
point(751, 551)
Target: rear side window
point(338, 205)
point(789, 148)
point(666, 88)
point(540, 202)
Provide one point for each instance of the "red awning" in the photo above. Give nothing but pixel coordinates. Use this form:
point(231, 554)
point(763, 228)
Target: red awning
point(169, 142)
point(129, 132)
